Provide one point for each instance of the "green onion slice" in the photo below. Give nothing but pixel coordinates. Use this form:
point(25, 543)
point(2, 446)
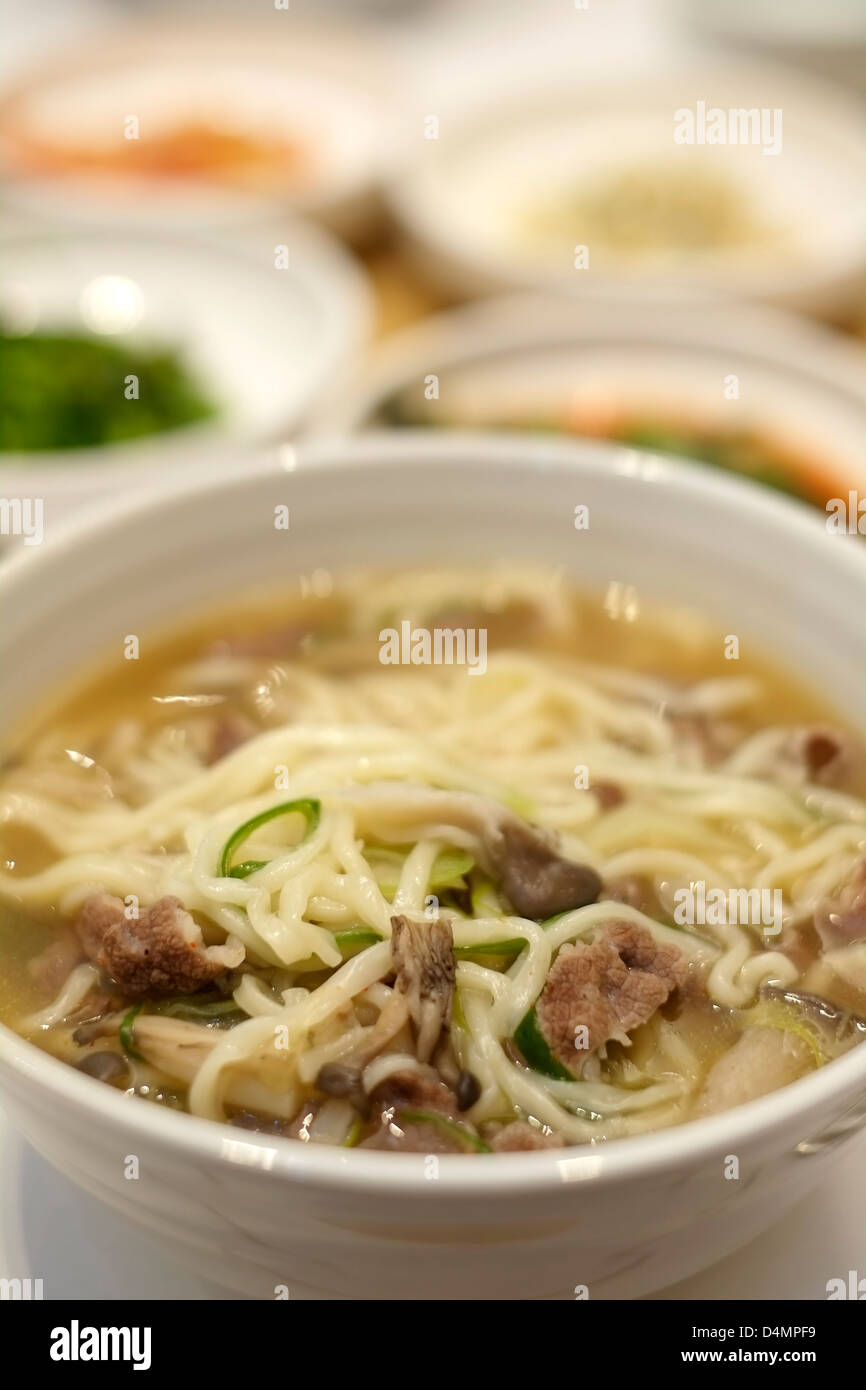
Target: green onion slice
point(306, 807)
point(126, 1038)
point(188, 1006)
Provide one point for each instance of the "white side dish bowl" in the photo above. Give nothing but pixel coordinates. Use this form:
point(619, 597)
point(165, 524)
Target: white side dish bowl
point(261, 342)
point(325, 89)
point(557, 191)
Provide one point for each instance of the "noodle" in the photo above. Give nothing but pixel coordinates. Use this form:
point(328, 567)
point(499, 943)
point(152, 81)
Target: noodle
point(407, 764)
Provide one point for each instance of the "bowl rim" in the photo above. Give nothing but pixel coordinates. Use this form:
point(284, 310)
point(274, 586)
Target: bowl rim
point(333, 1170)
point(519, 323)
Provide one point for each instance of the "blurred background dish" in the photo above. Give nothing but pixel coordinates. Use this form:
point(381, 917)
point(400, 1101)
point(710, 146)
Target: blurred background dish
point(828, 37)
point(124, 358)
point(199, 127)
point(586, 191)
point(752, 390)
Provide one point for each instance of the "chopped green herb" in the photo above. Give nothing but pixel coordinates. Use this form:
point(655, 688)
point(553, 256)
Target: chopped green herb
point(63, 391)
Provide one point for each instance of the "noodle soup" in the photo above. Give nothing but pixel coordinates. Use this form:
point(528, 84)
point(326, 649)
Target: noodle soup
point(284, 872)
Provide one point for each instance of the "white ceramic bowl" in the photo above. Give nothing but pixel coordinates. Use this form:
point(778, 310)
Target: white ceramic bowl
point(329, 86)
point(262, 343)
point(464, 205)
point(623, 1218)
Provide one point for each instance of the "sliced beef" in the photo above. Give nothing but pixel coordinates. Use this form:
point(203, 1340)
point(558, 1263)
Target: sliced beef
point(400, 1136)
point(426, 967)
point(521, 1137)
point(609, 986)
point(396, 1107)
point(409, 1090)
point(829, 757)
point(159, 952)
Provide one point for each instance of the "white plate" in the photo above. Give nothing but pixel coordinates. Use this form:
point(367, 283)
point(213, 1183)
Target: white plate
point(51, 1230)
point(522, 358)
point(327, 87)
point(262, 342)
point(465, 203)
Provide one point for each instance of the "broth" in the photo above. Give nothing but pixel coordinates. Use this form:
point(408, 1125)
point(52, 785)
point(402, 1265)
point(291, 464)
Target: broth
point(609, 881)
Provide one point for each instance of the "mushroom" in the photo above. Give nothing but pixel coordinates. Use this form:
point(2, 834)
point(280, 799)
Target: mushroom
point(105, 1066)
point(538, 881)
point(426, 969)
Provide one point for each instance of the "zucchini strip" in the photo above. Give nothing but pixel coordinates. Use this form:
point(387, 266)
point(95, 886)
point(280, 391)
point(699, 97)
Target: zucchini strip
point(355, 939)
point(533, 1045)
point(449, 868)
point(188, 1007)
point(510, 947)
